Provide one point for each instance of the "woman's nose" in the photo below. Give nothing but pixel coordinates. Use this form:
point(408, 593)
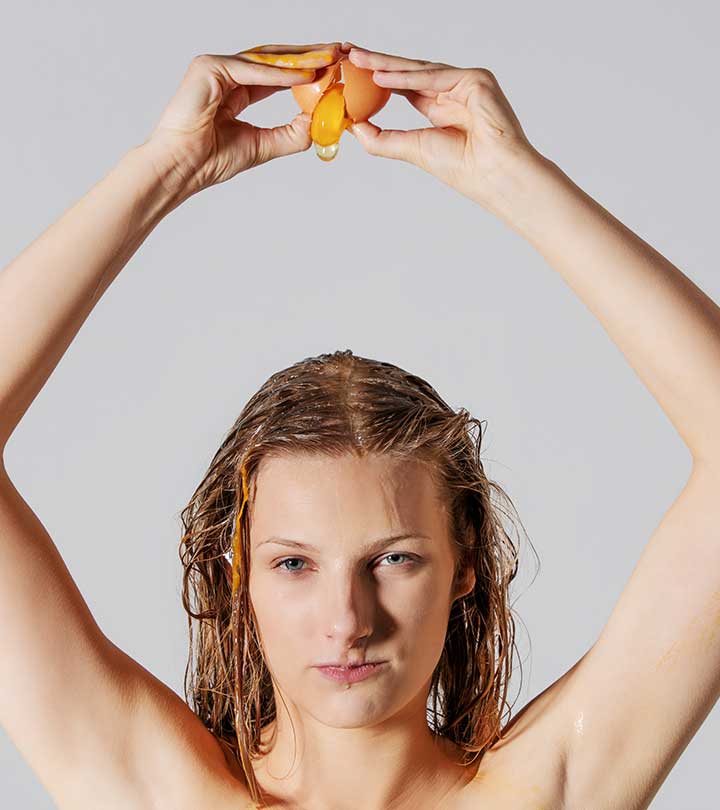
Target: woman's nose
point(349, 609)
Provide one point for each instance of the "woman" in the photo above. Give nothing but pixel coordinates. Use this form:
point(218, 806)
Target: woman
point(347, 519)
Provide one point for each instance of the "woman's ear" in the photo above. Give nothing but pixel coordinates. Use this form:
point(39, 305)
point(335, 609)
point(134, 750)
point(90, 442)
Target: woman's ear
point(464, 582)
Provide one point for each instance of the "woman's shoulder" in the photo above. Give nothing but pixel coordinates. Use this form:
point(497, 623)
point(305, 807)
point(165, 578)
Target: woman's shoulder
point(525, 768)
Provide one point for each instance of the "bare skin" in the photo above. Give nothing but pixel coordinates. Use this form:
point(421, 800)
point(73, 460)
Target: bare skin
point(345, 602)
point(431, 770)
point(628, 707)
point(526, 771)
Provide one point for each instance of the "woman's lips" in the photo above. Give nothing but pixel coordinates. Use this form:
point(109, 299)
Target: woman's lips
point(351, 674)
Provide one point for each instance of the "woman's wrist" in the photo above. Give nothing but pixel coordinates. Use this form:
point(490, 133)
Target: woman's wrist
point(517, 190)
point(162, 185)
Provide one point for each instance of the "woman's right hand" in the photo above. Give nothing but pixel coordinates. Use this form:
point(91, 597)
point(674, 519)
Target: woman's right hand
point(198, 141)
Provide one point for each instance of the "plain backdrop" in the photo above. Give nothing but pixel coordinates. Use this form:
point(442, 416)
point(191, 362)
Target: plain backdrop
point(299, 257)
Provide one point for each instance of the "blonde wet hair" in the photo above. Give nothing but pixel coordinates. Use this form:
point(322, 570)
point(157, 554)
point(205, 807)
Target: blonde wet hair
point(334, 404)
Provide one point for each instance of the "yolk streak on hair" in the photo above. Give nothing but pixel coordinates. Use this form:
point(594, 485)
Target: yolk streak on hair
point(236, 537)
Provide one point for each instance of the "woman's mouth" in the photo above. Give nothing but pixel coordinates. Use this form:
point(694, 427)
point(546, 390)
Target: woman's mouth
point(351, 674)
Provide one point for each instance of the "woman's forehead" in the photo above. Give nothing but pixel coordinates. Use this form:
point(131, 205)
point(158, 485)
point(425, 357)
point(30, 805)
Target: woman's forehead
point(369, 495)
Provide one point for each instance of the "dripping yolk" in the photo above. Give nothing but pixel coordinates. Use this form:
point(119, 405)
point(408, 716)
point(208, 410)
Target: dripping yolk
point(329, 113)
point(329, 119)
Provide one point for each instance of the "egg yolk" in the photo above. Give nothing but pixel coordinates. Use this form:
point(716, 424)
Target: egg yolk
point(329, 119)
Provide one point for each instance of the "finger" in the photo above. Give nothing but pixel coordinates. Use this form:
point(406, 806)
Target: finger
point(293, 56)
point(440, 111)
point(287, 139)
point(390, 143)
point(376, 60)
point(241, 71)
point(471, 88)
point(434, 80)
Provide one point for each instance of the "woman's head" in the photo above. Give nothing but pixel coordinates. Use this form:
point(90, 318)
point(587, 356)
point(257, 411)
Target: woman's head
point(339, 452)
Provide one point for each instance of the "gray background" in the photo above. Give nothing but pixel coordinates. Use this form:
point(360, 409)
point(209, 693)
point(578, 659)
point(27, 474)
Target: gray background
point(233, 286)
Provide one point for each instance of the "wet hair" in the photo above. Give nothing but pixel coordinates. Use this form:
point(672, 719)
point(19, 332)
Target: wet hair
point(332, 405)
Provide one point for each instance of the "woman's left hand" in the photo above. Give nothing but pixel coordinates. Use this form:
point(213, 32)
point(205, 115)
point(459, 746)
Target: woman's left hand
point(475, 138)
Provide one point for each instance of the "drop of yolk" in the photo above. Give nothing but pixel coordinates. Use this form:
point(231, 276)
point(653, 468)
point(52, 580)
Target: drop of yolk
point(329, 120)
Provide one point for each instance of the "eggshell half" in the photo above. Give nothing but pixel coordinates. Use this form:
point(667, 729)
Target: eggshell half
point(363, 97)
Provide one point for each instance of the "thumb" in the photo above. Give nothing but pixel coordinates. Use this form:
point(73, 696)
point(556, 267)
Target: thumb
point(389, 143)
point(284, 140)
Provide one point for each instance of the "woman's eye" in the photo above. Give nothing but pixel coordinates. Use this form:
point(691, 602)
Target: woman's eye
point(282, 563)
point(289, 559)
point(396, 554)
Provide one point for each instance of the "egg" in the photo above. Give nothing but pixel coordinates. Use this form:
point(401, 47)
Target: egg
point(341, 94)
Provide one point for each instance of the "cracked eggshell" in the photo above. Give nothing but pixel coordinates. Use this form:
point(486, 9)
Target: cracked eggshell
point(363, 98)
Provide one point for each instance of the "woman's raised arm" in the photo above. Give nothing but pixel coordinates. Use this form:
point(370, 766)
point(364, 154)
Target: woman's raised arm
point(48, 291)
point(666, 327)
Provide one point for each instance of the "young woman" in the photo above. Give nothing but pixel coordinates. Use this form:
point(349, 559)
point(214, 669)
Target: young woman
point(346, 520)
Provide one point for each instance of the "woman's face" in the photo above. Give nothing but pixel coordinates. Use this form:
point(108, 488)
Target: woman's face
point(341, 596)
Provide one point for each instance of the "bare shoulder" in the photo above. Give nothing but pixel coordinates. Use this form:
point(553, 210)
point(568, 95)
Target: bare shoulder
point(184, 766)
point(175, 762)
point(527, 768)
point(95, 726)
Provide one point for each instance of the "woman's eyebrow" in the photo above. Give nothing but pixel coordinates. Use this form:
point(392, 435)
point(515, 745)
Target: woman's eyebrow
point(375, 546)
